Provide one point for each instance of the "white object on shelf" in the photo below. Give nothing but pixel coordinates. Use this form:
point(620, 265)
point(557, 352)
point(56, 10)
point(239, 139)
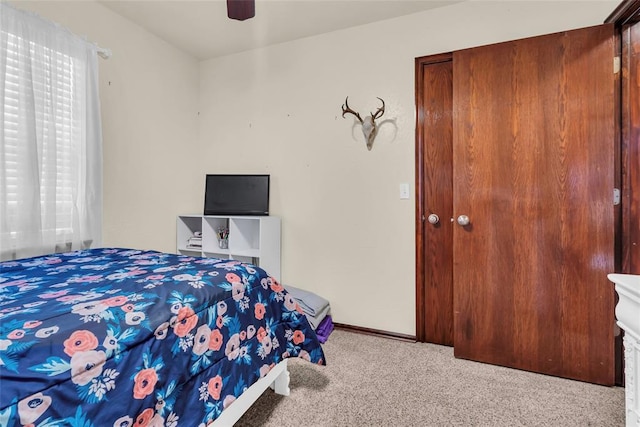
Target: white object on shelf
point(253, 239)
point(628, 316)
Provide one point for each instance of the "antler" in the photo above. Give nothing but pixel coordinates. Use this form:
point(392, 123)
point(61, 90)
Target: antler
point(346, 109)
point(380, 111)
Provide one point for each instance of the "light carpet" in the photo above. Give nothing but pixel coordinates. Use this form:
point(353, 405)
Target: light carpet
point(375, 381)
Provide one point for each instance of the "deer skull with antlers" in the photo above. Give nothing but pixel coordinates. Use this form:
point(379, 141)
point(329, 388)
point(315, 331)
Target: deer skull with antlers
point(369, 127)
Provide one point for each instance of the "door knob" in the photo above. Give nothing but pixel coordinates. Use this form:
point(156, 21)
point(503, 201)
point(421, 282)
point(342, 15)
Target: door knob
point(433, 219)
point(463, 220)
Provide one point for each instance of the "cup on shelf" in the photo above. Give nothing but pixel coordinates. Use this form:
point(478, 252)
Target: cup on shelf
point(223, 243)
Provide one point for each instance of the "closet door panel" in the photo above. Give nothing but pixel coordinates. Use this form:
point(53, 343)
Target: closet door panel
point(434, 141)
point(533, 170)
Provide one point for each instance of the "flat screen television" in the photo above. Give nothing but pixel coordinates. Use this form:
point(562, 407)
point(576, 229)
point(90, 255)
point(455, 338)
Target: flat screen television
point(236, 195)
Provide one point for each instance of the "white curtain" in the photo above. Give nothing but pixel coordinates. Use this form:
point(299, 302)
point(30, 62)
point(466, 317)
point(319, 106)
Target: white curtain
point(50, 139)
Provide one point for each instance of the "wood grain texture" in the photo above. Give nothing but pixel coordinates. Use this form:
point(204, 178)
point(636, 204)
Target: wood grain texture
point(630, 150)
point(434, 142)
point(533, 168)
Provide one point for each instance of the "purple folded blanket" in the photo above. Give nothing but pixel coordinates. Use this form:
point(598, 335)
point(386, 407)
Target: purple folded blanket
point(324, 329)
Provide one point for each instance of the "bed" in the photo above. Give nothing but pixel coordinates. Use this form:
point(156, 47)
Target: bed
point(122, 337)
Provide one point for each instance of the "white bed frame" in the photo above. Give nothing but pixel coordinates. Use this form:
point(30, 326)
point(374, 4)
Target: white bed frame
point(277, 379)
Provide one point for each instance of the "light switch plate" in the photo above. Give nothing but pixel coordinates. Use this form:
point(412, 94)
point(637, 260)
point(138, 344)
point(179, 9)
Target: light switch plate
point(404, 190)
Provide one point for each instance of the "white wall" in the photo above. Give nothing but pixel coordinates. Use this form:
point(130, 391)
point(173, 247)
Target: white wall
point(149, 93)
point(346, 234)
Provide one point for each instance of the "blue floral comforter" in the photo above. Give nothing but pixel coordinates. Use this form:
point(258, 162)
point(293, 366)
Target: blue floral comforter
point(120, 337)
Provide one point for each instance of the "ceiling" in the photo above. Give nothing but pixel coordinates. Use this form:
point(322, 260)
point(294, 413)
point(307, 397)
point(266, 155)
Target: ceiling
point(201, 27)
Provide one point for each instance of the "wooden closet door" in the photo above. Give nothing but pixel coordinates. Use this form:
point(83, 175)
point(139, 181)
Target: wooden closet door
point(533, 160)
point(434, 151)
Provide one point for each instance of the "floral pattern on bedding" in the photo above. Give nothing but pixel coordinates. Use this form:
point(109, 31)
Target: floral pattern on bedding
point(121, 337)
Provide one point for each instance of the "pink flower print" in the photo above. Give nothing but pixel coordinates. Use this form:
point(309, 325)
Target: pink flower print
point(90, 296)
point(243, 351)
point(89, 308)
point(110, 342)
point(275, 286)
point(16, 334)
point(175, 308)
point(267, 345)
point(136, 272)
point(128, 308)
point(156, 421)
point(116, 301)
point(251, 331)
point(32, 407)
point(33, 304)
point(220, 321)
point(185, 277)
point(46, 332)
point(144, 418)
point(86, 365)
point(80, 341)
point(233, 347)
point(259, 311)
point(30, 324)
point(304, 355)
point(228, 265)
point(290, 302)
point(84, 279)
point(186, 321)
point(261, 334)
point(215, 387)
point(156, 277)
point(164, 269)
point(201, 341)
point(162, 331)
point(237, 291)
point(83, 259)
point(215, 340)
point(232, 277)
point(69, 298)
point(56, 294)
point(134, 317)
point(222, 308)
point(298, 337)
point(144, 383)
point(117, 276)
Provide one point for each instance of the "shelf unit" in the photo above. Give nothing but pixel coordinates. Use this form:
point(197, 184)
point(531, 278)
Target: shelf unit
point(253, 239)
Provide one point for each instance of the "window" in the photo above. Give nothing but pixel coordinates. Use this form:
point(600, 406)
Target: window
point(50, 176)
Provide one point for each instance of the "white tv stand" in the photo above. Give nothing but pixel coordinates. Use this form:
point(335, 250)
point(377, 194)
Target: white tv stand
point(253, 239)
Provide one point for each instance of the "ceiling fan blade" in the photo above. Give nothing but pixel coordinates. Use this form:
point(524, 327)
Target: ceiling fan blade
point(241, 9)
